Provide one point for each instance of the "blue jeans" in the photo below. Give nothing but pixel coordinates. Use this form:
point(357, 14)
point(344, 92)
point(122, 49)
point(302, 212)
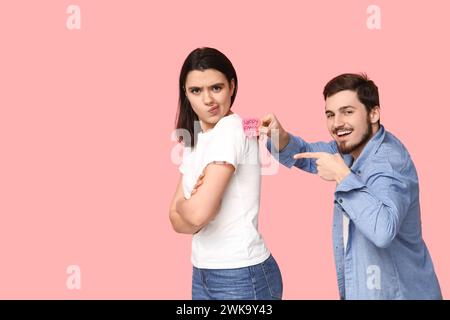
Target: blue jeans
point(259, 282)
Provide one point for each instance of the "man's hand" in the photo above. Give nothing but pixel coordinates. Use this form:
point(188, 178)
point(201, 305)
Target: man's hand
point(271, 127)
point(330, 167)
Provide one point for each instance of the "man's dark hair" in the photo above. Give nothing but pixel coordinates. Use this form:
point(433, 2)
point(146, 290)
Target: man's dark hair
point(365, 88)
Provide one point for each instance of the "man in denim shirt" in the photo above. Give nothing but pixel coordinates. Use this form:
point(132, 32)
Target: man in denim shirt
point(377, 239)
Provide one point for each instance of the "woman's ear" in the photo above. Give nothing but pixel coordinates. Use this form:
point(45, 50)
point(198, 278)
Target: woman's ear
point(232, 86)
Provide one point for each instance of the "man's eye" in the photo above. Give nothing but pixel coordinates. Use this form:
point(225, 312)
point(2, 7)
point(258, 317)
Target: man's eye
point(348, 112)
point(329, 115)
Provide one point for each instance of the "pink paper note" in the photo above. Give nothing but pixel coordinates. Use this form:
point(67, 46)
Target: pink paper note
point(251, 127)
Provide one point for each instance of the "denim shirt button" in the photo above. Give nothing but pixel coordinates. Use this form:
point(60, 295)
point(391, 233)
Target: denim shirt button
point(340, 200)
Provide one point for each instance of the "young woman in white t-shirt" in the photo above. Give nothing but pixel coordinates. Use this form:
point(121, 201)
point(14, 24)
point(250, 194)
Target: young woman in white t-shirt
point(218, 193)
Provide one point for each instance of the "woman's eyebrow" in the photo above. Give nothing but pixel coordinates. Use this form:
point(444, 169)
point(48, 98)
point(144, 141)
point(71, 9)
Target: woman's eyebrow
point(213, 85)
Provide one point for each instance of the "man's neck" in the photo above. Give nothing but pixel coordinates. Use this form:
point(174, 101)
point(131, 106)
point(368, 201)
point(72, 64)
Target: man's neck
point(355, 154)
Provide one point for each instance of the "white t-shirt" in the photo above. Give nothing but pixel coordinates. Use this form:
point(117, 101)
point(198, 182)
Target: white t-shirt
point(231, 239)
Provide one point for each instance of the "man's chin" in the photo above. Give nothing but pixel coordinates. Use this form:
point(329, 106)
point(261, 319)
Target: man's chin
point(345, 149)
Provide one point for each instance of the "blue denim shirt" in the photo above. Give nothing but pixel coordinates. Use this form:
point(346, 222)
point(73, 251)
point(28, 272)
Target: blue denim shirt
point(385, 256)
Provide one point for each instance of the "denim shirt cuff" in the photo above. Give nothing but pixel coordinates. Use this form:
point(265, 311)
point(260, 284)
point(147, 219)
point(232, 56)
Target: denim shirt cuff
point(285, 156)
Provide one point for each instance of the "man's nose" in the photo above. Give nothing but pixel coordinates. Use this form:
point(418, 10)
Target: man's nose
point(338, 121)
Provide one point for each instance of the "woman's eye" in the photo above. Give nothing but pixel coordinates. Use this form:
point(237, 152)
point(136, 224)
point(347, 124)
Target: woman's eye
point(195, 90)
point(216, 88)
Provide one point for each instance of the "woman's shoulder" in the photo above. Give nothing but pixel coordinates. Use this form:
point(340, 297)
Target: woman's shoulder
point(230, 122)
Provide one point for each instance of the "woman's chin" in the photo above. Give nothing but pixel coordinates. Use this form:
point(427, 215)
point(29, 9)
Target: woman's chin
point(213, 119)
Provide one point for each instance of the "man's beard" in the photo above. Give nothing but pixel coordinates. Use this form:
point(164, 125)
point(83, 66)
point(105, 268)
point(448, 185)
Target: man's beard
point(346, 149)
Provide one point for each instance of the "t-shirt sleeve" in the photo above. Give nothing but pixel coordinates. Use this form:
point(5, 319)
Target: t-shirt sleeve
point(227, 143)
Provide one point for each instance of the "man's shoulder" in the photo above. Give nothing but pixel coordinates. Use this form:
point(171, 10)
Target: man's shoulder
point(392, 153)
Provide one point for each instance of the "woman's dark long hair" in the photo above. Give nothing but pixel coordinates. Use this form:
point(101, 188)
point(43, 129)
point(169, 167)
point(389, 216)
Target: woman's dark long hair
point(199, 59)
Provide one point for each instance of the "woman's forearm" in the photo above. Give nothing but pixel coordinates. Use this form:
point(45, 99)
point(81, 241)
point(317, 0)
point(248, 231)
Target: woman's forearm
point(180, 225)
point(197, 210)
point(186, 210)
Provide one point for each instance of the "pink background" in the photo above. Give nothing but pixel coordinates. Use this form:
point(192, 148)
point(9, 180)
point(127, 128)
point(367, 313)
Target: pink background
point(86, 117)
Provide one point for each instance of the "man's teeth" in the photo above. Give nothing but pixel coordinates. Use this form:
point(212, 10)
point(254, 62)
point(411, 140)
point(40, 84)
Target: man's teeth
point(343, 133)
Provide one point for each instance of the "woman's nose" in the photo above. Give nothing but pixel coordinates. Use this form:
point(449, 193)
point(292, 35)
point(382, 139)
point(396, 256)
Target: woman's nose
point(207, 99)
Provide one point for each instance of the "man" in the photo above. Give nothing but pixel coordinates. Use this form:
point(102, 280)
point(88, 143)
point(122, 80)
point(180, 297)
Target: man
point(377, 240)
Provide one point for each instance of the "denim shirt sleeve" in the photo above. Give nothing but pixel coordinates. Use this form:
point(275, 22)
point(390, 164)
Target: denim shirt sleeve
point(377, 207)
point(298, 145)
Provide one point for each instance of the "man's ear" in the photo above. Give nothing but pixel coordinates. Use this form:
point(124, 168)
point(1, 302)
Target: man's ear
point(375, 115)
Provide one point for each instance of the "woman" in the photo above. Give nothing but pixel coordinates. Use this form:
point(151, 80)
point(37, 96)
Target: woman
point(217, 197)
